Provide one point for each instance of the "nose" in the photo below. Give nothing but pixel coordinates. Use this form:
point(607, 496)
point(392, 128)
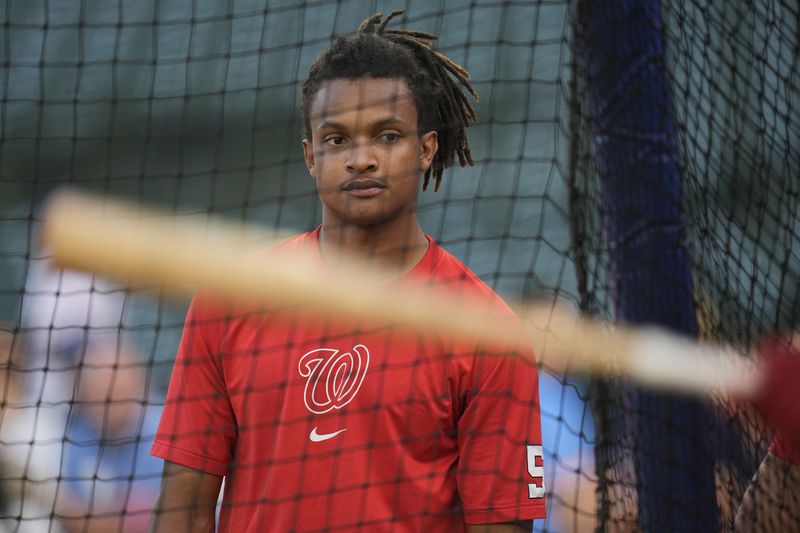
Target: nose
point(361, 158)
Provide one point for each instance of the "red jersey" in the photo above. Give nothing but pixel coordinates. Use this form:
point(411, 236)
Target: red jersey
point(338, 425)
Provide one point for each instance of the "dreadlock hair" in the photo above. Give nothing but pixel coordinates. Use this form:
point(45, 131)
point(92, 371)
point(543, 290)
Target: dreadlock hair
point(432, 77)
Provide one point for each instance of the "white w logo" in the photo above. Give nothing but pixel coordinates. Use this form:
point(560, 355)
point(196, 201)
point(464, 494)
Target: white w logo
point(333, 378)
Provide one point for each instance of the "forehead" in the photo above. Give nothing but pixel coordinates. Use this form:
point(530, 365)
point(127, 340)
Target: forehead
point(342, 98)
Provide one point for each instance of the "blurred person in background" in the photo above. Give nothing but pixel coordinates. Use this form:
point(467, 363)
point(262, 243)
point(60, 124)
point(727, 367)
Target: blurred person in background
point(80, 365)
point(62, 312)
point(110, 480)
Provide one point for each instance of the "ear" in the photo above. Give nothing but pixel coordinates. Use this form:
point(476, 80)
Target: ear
point(430, 144)
point(308, 155)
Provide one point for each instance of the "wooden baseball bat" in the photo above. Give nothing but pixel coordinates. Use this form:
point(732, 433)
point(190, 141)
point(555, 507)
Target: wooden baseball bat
point(144, 247)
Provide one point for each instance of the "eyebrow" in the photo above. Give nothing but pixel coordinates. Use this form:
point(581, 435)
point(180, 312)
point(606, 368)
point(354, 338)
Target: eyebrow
point(382, 123)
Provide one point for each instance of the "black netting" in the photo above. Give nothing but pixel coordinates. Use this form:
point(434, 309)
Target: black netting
point(733, 80)
point(194, 107)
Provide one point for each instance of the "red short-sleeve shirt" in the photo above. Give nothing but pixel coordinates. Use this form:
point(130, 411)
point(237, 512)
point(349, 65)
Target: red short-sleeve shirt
point(333, 424)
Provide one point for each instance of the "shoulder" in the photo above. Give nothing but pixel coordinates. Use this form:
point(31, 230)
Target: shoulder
point(469, 290)
point(207, 306)
point(452, 274)
point(290, 244)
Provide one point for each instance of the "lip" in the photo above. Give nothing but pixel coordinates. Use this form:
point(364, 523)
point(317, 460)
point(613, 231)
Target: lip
point(365, 193)
point(363, 187)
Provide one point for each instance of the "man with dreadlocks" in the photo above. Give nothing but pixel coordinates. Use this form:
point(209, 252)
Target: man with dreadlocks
point(334, 424)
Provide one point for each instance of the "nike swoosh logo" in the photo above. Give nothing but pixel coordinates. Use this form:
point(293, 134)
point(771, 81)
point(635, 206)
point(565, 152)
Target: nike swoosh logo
point(319, 437)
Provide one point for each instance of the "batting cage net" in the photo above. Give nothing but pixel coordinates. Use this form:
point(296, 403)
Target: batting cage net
point(636, 160)
point(685, 214)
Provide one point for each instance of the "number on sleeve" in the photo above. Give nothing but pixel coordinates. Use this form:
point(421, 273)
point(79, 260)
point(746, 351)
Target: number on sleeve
point(536, 471)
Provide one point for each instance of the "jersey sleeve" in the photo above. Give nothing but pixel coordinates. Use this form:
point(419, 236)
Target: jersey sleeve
point(197, 427)
point(500, 474)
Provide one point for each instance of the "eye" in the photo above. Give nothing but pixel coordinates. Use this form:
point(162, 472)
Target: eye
point(388, 137)
point(334, 140)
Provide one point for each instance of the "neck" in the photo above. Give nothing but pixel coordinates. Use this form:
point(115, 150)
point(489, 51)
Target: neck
point(396, 246)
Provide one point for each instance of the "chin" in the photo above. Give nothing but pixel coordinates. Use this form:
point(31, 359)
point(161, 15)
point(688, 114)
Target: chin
point(363, 217)
point(365, 220)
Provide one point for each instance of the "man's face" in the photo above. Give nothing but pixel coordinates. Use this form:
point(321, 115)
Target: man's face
point(365, 152)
